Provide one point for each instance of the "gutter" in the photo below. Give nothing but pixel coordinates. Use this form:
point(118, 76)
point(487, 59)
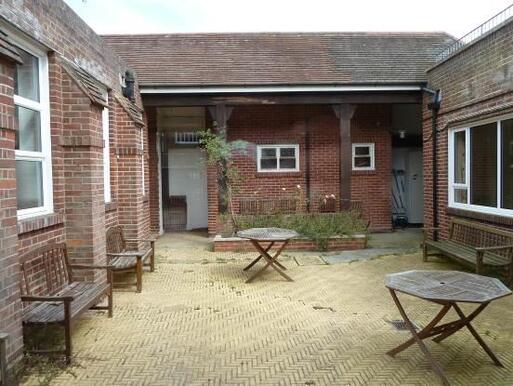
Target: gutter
point(434, 106)
point(148, 90)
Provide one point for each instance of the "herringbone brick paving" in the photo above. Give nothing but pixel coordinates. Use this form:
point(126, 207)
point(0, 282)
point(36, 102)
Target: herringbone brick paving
point(198, 323)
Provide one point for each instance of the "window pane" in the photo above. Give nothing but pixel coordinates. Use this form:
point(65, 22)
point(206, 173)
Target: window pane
point(287, 152)
point(507, 164)
point(29, 178)
point(26, 77)
point(459, 157)
point(361, 150)
point(287, 163)
point(362, 162)
point(268, 163)
point(29, 133)
point(267, 152)
point(460, 196)
point(483, 165)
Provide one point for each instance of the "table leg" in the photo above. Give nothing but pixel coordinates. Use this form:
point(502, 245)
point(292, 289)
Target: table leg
point(459, 324)
point(271, 261)
point(259, 257)
point(434, 364)
point(424, 333)
point(466, 322)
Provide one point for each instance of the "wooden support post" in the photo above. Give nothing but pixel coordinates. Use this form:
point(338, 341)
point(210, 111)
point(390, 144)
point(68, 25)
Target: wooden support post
point(344, 113)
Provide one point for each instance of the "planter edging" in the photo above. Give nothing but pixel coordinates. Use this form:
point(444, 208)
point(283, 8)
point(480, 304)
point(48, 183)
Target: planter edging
point(336, 243)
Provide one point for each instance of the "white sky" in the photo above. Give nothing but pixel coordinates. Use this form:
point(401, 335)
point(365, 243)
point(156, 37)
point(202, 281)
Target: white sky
point(157, 16)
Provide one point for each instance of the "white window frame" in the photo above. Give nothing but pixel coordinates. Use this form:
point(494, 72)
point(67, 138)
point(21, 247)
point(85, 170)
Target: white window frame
point(452, 185)
point(106, 153)
point(371, 155)
point(277, 148)
point(187, 137)
point(43, 107)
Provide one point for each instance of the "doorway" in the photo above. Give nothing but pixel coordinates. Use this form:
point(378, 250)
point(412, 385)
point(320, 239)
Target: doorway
point(183, 177)
point(407, 186)
point(188, 179)
point(407, 165)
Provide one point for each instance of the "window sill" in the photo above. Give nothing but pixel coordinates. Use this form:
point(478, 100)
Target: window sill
point(110, 206)
point(278, 174)
point(39, 222)
point(364, 172)
point(487, 217)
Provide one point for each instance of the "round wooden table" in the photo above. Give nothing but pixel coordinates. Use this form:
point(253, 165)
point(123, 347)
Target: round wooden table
point(263, 239)
point(447, 288)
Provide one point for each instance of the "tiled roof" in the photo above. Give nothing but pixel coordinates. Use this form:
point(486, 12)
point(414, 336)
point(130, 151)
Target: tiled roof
point(279, 58)
point(131, 108)
point(94, 90)
point(8, 50)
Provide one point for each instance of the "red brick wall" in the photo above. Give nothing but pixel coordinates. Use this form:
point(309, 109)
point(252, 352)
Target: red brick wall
point(133, 206)
point(476, 83)
point(80, 214)
point(286, 125)
point(56, 25)
point(83, 175)
point(10, 316)
point(371, 124)
point(153, 169)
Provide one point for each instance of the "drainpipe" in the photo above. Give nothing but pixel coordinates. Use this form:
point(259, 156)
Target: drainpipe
point(434, 106)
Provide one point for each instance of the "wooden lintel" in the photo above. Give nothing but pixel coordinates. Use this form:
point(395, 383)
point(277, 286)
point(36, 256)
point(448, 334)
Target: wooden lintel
point(283, 99)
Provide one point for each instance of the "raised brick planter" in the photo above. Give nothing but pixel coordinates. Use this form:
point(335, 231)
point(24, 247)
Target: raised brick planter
point(339, 243)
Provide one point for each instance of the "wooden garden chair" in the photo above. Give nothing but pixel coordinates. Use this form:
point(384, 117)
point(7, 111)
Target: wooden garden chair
point(125, 259)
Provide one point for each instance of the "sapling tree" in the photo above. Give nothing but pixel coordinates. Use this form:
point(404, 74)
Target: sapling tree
point(220, 154)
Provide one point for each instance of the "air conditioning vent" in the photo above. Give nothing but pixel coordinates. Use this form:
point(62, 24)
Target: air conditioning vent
point(187, 138)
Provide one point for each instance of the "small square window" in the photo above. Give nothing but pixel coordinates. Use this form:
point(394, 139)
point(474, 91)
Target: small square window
point(363, 156)
point(277, 158)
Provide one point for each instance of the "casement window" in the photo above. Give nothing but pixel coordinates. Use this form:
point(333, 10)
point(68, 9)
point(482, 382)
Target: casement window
point(106, 153)
point(481, 167)
point(277, 158)
point(363, 156)
point(33, 143)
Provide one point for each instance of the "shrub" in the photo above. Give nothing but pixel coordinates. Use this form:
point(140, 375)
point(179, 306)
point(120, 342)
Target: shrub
point(319, 227)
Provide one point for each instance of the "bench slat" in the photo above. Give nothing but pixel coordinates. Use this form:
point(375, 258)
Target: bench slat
point(128, 260)
point(86, 295)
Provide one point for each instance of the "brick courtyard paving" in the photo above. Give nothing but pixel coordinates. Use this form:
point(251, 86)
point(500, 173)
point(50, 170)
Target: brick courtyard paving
point(198, 323)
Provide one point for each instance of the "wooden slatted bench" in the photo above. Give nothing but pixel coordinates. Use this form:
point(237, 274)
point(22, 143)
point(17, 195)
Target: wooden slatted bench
point(474, 244)
point(124, 259)
point(53, 296)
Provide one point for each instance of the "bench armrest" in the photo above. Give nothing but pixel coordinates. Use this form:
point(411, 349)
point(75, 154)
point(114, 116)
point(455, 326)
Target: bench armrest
point(47, 298)
point(124, 255)
point(80, 266)
point(497, 248)
point(144, 240)
point(425, 231)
